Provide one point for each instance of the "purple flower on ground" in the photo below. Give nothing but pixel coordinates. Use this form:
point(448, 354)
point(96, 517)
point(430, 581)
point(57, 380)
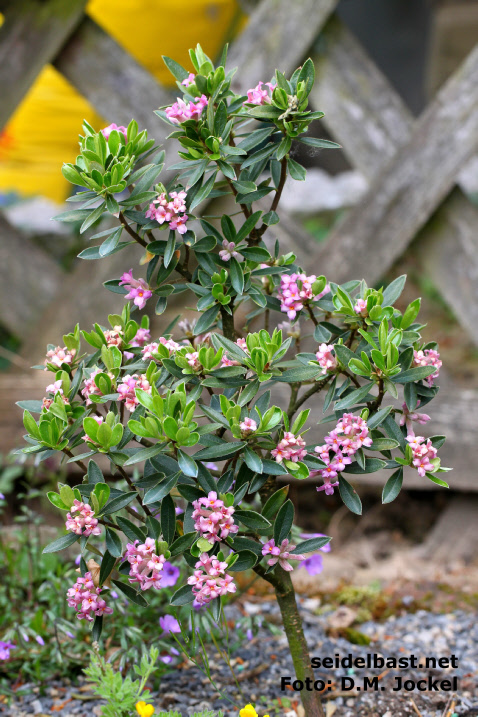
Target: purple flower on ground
point(2, 497)
point(40, 640)
point(167, 659)
point(5, 648)
point(314, 565)
point(249, 634)
point(169, 623)
point(170, 575)
point(78, 560)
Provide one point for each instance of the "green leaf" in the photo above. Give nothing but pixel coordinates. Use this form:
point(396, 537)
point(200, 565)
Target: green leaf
point(187, 464)
point(204, 192)
point(113, 543)
point(55, 500)
point(107, 565)
point(252, 520)
point(130, 593)
point(256, 253)
point(183, 543)
point(371, 466)
point(144, 454)
point(434, 479)
point(222, 450)
point(259, 155)
point(64, 542)
point(308, 546)
point(283, 522)
point(349, 496)
point(130, 529)
point(394, 290)
point(154, 495)
point(414, 374)
point(378, 418)
point(116, 504)
point(354, 397)
point(169, 250)
point(394, 431)
point(320, 143)
point(111, 243)
point(97, 628)
point(237, 277)
point(248, 226)
point(183, 596)
point(393, 486)
point(206, 320)
point(168, 519)
point(273, 504)
point(344, 354)
point(296, 375)
point(252, 460)
point(383, 444)
point(296, 170)
point(246, 560)
point(175, 68)
point(93, 217)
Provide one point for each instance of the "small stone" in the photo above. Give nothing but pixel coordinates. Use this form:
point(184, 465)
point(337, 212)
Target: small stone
point(37, 707)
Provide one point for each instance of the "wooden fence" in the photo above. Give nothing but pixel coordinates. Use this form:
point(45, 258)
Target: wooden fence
point(412, 166)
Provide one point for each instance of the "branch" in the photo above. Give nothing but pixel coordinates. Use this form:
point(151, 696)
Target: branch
point(138, 498)
point(312, 315)
point(305, 397)
point(131, 231)
point(375, 405)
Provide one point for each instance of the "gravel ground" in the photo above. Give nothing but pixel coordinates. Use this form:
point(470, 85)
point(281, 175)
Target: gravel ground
point(260, 664)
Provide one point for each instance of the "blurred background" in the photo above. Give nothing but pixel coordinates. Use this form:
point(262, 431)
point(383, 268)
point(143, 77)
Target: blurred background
point(398, 82)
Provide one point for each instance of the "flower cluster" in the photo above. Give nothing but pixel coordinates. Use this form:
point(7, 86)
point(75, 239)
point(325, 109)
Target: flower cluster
point(295, 291)
point(327, 360)
point(281, 553)
point(259, 96)
point(350, 434)
point(423, 453)
point(90, 388)
point(127, 387)
point(150, 350)
point(146, 568)
point(58, 356)
point(181, 112)
point(428, 357)
point(85, 522)
point(189, 80)
point(54, 388)
point(138, 290)
point(228, 251)
point(409, 417)
point(142, 336)
point(212, 518)
point(114, 337)
point(361, 307)
point(106, 131)
point(170, 210)
point(86, 600)
point(290, 448)
point(209, 580)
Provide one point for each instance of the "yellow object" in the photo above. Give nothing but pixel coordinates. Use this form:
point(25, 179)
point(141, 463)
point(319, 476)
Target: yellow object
point(43, 132)
point(144, 710)
point(248, 711)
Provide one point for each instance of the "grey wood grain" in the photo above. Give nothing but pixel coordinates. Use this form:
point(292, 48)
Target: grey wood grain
point(413, 167)
point(29, 280)
point(31, 35)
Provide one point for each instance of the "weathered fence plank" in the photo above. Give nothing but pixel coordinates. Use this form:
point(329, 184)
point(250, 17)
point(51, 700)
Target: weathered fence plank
point(412, 184)
point(368, 117)
point(29, 280)
point(278, 35)
point(30, 37)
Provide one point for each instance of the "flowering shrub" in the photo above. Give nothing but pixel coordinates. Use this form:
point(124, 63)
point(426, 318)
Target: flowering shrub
point(203, 392)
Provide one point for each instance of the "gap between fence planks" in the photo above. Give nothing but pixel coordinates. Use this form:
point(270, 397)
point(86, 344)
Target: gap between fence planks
point(31, 35)
point(414, 167)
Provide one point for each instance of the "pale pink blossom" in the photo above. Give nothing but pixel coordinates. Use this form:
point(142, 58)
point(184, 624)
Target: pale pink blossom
point(170, 210)
point(259, 96)
point(209, 580)
point(84, 523)
point(408, 417)
point(228, 251)
point(423, 453)
point(145, 565)
point(106, 131)
point(212, 518)
point(189, 80)
point(350, 434)
point(138, 290)
point(181, 112)
point(90, 388)
point(193, 360)
point(248, 426)
point(58, 356)
point(290, 448)
point(428, 357)
point(150, 350)
point(326, 358)
point(296, 291)
point(86, 600)
point(142, 336)
point(361, 307)
point(127, 388)
point(281, 554)
point(114, 337)
point(242, 343)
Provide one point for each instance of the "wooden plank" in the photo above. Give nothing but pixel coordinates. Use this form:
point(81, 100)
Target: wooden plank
point(371, 122)
point(457, 526)
point(117, 86)
point(29, 280)
point(30, 37)
point(278, 35)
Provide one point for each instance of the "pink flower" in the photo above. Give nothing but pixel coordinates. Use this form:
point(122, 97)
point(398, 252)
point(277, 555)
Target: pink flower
point(150, 351)
point(86, 600)
point(408, 417)
point(290, 448)
point(259, 96)
point(248, 426)
point(189, 80)
point(127, 388)
point(145, 566)
point(139, 291)
point(423, 453)
point(325, 357)
point(58, 356)
point(212, 518)
point(361, 307)
point(281, 554)
point(180, 112)
point(85, 522)
point(114, 337)
point(296, 291)
point(209, 580)
point(106, 131)
point(193, 360)
point(350, 434)
point(142, 336)
point(242, 343)
point(228, 252)
point(90, 388)
point(170, 211)
point(428, 357)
